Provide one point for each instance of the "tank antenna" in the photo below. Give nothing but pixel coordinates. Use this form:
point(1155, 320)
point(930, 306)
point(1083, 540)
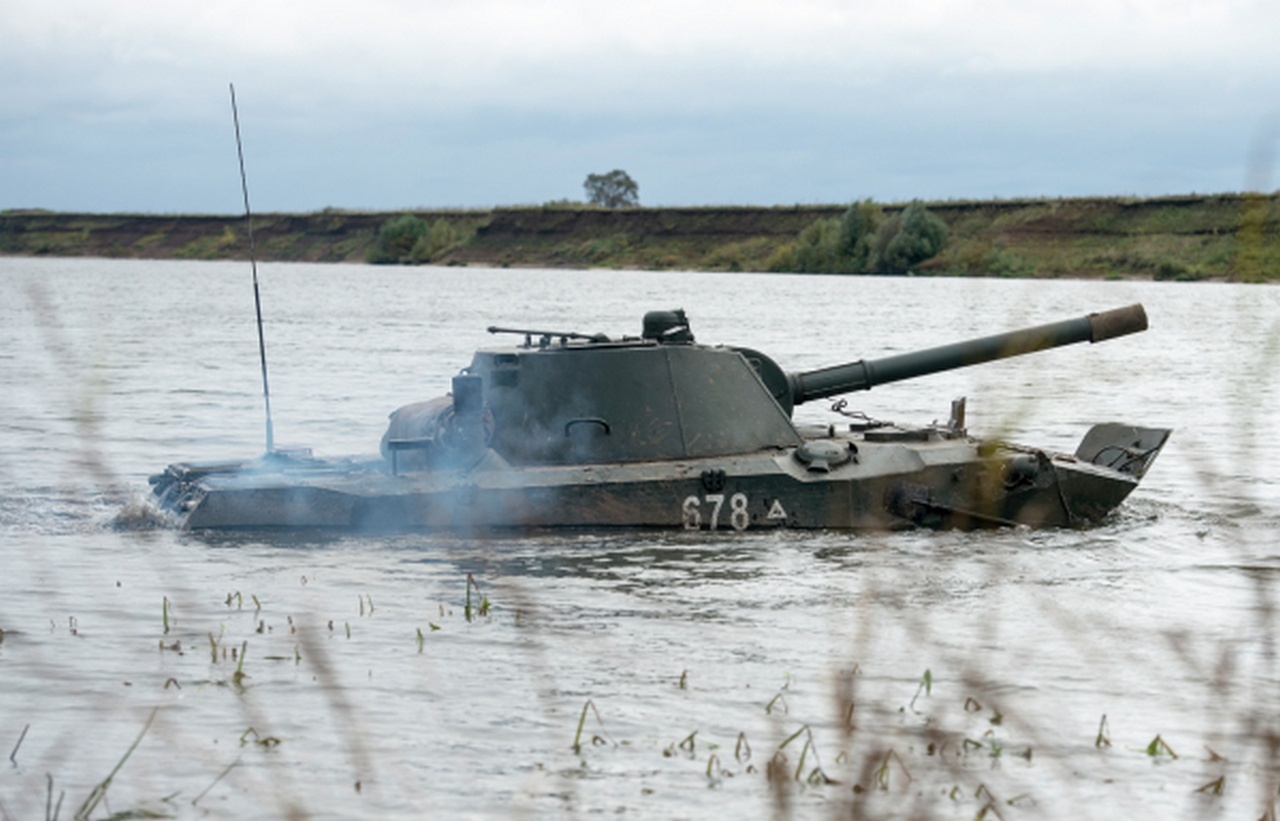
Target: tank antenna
point(253, 261)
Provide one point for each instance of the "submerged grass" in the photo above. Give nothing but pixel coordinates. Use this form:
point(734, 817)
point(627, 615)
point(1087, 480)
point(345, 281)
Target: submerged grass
point(13, 756)
point(862, 763)
point(99, 793)
point(596, 739)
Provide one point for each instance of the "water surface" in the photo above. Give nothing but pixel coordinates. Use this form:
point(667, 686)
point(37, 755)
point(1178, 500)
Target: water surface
point(919, 674)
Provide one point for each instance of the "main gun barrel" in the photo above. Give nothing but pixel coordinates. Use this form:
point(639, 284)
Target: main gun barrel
point(866, 374)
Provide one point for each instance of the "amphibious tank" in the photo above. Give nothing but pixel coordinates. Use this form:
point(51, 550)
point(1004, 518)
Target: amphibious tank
point(567, 429)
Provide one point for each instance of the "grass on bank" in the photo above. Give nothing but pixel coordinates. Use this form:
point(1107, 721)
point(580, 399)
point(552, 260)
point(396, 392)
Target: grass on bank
point(1168, 239)
point(1231, 237)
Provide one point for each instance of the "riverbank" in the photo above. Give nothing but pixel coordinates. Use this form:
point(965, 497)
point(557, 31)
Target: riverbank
point(1229, 237)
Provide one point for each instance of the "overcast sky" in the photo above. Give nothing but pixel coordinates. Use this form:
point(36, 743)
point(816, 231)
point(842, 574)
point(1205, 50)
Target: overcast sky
point(386, 104)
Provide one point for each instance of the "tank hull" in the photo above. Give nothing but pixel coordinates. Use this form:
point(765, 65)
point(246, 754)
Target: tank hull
point(885, 480)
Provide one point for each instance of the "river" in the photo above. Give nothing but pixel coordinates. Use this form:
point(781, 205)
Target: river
point(1125, 670)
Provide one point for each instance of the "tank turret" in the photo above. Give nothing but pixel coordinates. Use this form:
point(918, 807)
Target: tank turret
point(565, 397)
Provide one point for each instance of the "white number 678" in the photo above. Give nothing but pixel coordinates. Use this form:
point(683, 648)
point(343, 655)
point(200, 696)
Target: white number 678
point(691, 511)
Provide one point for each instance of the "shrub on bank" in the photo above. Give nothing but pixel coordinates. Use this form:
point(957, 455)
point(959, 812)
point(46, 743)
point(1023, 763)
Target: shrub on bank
point(858, 227)
point(438, 239)
point(817, 249)
point(396, 240)
point(906, 239)
point(408, 240)
point(863, 241)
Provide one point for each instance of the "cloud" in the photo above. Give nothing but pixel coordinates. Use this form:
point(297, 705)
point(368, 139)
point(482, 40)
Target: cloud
point(756, 101)
point(529, 53)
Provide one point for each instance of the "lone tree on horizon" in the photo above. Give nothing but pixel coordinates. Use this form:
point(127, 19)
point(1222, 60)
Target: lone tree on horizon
point(613, 190)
